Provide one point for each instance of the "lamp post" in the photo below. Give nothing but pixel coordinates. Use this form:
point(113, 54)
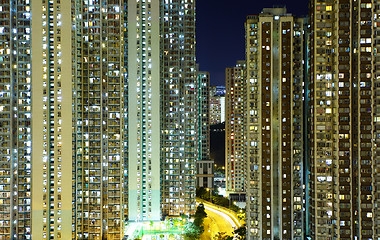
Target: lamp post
point(209, 190)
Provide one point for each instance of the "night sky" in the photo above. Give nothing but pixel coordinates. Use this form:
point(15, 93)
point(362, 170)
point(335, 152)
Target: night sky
point(220, 31)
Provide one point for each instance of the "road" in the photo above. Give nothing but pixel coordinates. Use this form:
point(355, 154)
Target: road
point(218, 221)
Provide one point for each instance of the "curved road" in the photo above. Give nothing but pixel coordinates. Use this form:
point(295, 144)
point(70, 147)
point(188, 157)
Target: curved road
point(218, 221)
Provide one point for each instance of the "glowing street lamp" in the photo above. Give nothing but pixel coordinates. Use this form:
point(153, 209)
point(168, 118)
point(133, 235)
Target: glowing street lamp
point(209, 190)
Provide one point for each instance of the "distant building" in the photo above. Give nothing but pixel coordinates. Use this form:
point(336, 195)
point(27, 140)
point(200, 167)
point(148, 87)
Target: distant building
point(217, 104)
point(205, 166)
point(274, 120)
point(235, 123)
point(220, 183)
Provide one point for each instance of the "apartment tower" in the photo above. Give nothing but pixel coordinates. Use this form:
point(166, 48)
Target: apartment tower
point(205, 166)
point(15, 120)
point(51, 120)
point(203, 81)
point(235, 123)
point(178, 107)
point(344, 120)
point(143, 111)
point(102, 127)
point(217, 104)
point(274, 119)
point(100, 136)
point(376, 116)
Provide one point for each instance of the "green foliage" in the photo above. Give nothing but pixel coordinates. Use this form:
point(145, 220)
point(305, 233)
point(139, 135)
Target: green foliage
point(241, 215)
point(194, 230)
point(216, 199)
point(222, 236)
point(200, 213)
point(199, 217)
point(202, 193)
point(242, 232)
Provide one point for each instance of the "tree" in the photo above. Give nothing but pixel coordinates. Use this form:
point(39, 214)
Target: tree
point(201, 193)
point(200, 213)
point(222, 236)
point(192, 232)
point(242, 232)
point(199, 216)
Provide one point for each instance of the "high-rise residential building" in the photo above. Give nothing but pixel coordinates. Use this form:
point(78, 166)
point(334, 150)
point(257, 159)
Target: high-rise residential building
point(217, 104)
point(235, 122)
point(178, 107)
point(274, 120)
point(344, 159)
point(15, 120)
point(113, 95)
point(376, 114)
point(203, 81)
point(144, 111)
point(100, 119)
point(205, 166)
point(52, 120)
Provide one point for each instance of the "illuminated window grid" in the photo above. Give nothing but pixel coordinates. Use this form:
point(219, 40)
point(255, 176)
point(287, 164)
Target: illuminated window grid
point(15, 114)
point(351, 157)
point(51, 21)
point(235, 143)
point(259, 203)
point(98, 165)
point(179, 117)
point(144, 110)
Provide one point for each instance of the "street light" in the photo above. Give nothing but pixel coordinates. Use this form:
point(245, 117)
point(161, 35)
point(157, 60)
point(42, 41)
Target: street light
point(209, 190)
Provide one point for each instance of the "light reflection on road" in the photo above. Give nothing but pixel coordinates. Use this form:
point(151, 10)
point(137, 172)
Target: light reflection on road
point(222, 214)
point(237, 222)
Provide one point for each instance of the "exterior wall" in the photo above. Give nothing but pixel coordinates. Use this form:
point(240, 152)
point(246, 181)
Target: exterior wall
point(204, 176)
point(99, 121)
point(178, 107)
point(52, 120)
point(343, 131)
point(376, 115)
point(97, 158)
point(143, 111)
point(217, 104)
point(15, 120)
point(235, 122)
point(203, 116)
point(274, 41)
